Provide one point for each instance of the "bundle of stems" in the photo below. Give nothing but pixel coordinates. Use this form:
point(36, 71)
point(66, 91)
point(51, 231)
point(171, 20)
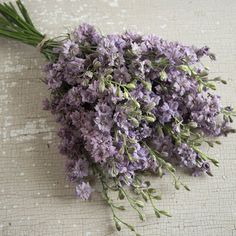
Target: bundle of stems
point(15, 23)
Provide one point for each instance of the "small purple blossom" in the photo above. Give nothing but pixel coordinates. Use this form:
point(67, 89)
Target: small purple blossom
point(78, 169)
point(84, 190)
point(186, 155)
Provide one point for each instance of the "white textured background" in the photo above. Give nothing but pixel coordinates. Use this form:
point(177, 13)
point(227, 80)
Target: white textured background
point(35, 198)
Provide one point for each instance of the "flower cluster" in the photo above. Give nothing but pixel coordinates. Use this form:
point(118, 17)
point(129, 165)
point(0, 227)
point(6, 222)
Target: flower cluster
point(130, 104)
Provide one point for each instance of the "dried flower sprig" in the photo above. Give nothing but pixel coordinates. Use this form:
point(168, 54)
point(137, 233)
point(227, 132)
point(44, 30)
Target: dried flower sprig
point(129, 106)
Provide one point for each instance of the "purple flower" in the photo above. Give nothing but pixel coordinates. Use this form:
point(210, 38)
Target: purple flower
point(84, 190)
point(70, 47)
point(77, 169)
point(168, 110)
point(86, 33)
point(186, 155)
point(104, 119)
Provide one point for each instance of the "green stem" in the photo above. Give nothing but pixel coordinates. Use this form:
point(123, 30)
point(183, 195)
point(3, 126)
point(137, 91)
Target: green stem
point(167, 166)
point(131, 202)
point(110, 203)
point(15, 23)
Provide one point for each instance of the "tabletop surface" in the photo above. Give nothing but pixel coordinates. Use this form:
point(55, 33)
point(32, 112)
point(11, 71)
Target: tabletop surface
point(35, 197)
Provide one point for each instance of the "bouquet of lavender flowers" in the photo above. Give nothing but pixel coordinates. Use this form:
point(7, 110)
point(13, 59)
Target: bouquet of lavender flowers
point(128, 105)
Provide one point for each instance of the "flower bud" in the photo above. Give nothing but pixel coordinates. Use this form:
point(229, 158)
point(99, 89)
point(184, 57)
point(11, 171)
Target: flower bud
point(136, 104)
point(152, 190)
point(150, 106)
point(108, 71)
point(165, 213)
point(147, 85)
point(147, 182)
point(141, 216)
point(129, 53)
point(210, 143)
point(157, 214)
point(150, 119)
point(121, 195)
point(118, 227)
point(131, 227)
point(109, 77)
point(134, 121)
point(122, 150)
point(122, 208)
point(157, 197)
point(85, 82)
point(223, 81)
point(160, 172)
point(89, 74)
point(170, 167)
point(203, 74)
point(185, 68)
point(186, 187)
point(178, 141)
point(144, 195)
point(102, 86)
point(139, 203)
point(193, 124)
point(160, 131)
point(211, 86)
point(132, 140)
point(217, 142)
point(130, 86)
point(163, 75)
point(176, 185)
point(96, 65)
point(132, 149)
point(126, 94)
